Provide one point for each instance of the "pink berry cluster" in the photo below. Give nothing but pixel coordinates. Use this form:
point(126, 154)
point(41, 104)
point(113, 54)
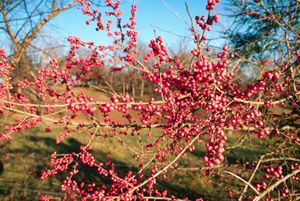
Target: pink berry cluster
point(211, 4)
point(274, 171)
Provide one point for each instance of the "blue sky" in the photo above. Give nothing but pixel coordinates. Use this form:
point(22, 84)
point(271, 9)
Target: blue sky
point(151, 14)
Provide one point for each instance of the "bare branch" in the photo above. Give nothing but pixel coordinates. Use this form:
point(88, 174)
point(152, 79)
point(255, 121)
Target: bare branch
point(26, 42)
point(9, 30)
point(243, 180)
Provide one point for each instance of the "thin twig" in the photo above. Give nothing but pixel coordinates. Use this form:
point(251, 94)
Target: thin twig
point(251, 178)
point(243, 180)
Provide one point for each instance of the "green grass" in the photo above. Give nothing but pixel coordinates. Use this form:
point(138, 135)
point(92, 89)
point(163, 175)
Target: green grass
point(27, 155)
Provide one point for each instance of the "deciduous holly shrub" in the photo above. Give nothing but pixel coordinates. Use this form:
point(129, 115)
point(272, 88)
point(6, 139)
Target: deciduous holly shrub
point(192, 104)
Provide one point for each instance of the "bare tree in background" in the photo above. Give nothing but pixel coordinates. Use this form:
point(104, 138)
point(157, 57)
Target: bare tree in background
point(22, 21)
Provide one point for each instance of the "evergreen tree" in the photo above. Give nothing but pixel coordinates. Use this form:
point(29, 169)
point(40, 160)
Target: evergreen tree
point(264, 29)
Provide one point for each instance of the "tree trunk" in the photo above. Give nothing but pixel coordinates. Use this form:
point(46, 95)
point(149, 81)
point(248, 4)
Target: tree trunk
point(111, 80)
point(124, 84)
point(133, 90)
point(142, 88)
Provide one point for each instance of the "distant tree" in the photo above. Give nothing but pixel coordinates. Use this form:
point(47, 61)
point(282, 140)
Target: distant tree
point(22, 28)
point(264, 28)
